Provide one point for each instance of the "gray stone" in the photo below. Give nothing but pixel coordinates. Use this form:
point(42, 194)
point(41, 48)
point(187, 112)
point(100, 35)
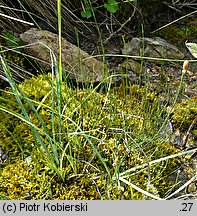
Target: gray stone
point(152, 47)
point(79, 65)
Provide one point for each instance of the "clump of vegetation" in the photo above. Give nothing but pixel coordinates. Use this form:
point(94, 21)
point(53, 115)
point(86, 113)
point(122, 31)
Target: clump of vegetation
point(102, 136)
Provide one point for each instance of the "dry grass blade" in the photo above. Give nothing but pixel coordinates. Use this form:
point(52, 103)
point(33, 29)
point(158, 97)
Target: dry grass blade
point(183, 17)
point(18, 20)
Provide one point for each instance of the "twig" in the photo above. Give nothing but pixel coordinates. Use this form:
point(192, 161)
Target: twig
point(121, 26)
point(111, 35)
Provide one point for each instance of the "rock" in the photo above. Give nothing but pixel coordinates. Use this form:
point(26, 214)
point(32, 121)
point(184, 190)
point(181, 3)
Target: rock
point(131, 64)
point(3, 155)
point(152, 47)
point(77, 63)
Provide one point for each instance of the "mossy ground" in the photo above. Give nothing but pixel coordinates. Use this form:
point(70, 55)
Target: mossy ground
point(119, 124)
point(178, 34)
point(185, 113)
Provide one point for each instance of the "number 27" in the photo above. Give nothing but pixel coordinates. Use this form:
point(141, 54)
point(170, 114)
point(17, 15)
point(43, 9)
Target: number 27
point(187, 206)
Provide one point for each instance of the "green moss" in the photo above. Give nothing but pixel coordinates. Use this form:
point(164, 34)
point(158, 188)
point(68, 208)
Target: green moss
point(15, 58)
point(99, 115)
point(19, 181)
point(18, 63)
point(179, 35)
point(185, 113)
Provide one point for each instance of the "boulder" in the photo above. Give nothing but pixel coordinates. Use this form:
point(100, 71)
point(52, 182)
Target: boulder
point(152, 47)
point(78, 64)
